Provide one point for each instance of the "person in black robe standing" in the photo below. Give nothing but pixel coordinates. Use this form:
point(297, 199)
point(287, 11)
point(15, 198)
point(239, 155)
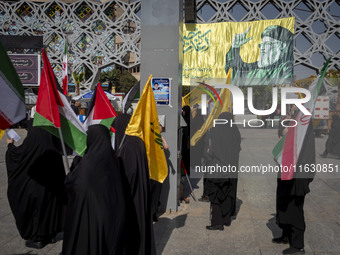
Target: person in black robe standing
point(96, 213)
point(290, 197)
point(134, 164)
point(333, 141)
point(222, 187)
point(196, 152)
point(36, 187)
point(184, 134)
point(186, 113)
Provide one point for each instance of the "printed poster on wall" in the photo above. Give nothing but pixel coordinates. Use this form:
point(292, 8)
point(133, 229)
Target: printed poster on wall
point(161, 90)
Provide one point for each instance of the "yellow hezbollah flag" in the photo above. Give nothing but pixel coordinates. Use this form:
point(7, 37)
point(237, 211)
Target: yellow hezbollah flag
point(194, 96)
point(145, 125)
point(1, 133)
point(216, 111)
point(259, 52)
point(184, 100)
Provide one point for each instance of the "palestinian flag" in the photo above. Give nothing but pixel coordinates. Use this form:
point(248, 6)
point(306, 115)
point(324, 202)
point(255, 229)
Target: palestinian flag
point(287, 150)
point(12, 96)
point(54, 111)
point(65, 79)
point(100, 110)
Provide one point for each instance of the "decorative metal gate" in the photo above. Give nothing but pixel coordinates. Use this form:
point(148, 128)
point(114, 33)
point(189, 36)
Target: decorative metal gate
point(97, 33)
point(109, 32)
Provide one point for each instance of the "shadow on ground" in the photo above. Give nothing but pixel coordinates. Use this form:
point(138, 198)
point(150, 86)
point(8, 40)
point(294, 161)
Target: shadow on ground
point(271, 224)
point(164, 228)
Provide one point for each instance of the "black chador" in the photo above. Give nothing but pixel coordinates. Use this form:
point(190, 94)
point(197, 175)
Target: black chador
point(36, 187)
point(291, 194)
point(222, 188)
point(333, 141)
point(96, 222)
point(133, 162)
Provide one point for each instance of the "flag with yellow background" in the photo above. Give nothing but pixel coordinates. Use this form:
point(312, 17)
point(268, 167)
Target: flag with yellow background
point(1, 133)
point(260, 52)
point(144, 124)
point(226, 106)
point(194, 96)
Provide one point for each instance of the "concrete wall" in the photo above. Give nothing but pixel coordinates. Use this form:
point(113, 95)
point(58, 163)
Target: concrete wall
point(161, 50)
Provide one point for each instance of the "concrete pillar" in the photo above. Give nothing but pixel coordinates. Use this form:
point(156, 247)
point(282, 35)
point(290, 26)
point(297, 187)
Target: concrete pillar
point(161, 56)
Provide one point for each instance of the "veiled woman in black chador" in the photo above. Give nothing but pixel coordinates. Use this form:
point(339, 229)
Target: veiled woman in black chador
point(290, 198)
point(333, 141)
point(133, 162)
point(36, 187)
point(222, 187)
point(96, 222)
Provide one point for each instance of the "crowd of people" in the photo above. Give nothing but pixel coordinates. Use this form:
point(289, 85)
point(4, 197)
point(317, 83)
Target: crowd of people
point(223, 145)
point(108, 201)
point(103, 206)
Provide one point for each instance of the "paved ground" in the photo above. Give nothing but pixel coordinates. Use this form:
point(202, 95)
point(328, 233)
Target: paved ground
point(251, 233)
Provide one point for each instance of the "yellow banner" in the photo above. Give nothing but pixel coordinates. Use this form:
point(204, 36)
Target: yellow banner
point(211, 49)
point(226, 106)
point(145, 125)
point(194, 96)
point(2, 132)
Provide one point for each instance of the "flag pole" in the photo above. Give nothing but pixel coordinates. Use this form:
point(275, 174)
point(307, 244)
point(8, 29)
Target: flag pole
point(121, 143)
point(65, 159)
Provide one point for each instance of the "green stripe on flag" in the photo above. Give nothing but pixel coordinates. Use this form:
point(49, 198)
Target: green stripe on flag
point(107, 122)
point(277, 151)
point(73, 137)
point(322, 76)
point(9, 74)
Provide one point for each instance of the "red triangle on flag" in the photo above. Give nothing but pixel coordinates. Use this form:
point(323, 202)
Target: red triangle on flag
point(48, 95)
point(103, 108)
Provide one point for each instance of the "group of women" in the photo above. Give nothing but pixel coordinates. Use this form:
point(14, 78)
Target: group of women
point(103, 205)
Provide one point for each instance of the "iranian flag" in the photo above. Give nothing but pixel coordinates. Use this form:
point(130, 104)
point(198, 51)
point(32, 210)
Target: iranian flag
point(12, 96)
point(65, 79)
point(100, 109)
point(287, 150)
point(53, 111)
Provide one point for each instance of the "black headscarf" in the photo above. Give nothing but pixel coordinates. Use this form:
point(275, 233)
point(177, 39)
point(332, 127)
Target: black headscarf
point(196, 152)
point(119, 124)
point(225, 141)
point(186, 113)
point(96, 216)
point(36, 185)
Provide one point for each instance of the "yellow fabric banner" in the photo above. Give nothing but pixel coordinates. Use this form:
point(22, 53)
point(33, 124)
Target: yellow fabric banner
point(2, 132)
point(194, 96)
point(249, 48)
point(145, 125)
point(216, 111)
